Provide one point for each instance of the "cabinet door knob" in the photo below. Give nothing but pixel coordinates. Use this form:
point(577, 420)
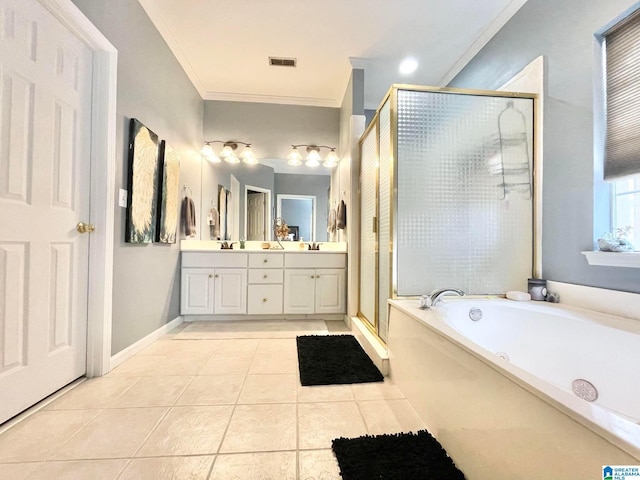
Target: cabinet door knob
point(265, 260)
point(317, 276)
point(264, 276)
point(313, 276)
point(211, 275)
point(217, 276)
point(264, 300)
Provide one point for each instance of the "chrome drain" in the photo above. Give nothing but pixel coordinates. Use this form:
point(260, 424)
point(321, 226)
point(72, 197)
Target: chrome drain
point(585, 390)
point(475, 314)
point(503, 355)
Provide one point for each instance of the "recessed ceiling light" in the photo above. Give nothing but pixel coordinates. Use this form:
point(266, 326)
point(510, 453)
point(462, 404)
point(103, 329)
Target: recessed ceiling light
point(408, 66)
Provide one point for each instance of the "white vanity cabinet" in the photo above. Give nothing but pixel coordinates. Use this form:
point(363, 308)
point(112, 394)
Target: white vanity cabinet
point(213, 283)
point(314, 284)
point(265, 283)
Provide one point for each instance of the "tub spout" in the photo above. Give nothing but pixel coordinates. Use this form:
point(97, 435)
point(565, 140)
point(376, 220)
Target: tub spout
point(435, 296)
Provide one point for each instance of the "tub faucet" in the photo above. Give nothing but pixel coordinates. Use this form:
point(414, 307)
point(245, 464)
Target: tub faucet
point(435, 296)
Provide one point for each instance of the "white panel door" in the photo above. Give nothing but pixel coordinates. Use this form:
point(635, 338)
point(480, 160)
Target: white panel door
point(299, 290)
point(256, 216)
point(196, 291)
point(330, 290)
point(45, 115)
point(230, 291)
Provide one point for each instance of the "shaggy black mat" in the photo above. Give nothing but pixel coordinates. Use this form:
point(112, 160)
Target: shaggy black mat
point(404, 456)
point(334, 359)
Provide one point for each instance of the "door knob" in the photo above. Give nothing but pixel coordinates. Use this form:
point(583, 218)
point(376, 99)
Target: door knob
point(85, 227)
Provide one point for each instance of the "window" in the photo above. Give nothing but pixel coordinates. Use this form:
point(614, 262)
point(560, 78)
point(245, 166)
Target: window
point(622, 91)
point(626, 208)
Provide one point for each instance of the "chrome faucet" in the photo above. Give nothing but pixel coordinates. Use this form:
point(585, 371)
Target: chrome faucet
point(434, 297)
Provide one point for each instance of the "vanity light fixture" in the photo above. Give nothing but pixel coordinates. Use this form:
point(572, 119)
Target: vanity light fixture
point(313, 156)
point(228, 152)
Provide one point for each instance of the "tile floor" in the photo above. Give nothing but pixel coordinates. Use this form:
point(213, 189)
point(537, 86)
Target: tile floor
point(216, 408)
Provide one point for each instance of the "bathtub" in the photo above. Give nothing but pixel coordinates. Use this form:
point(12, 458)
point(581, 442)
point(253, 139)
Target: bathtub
point(521, 390)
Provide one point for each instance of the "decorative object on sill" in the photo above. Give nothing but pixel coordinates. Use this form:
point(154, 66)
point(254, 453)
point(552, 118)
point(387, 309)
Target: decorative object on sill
point(341, 216)
point(616, 241)
point(228, 152)
point(142, 184)
point(512, 160)
point(188, 213)
point(168, 194)
point(313, 156)
point(241, 243)
point(553, 297)
point(537, 288)
point(280, 230)
point(265, 245)
point(314, 246)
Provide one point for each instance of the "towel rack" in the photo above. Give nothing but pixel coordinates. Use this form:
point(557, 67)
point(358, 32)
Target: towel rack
point(519, 139)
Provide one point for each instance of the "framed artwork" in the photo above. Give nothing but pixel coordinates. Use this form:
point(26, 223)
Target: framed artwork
point(142, 184)
point(168, 191)
point(222, 210)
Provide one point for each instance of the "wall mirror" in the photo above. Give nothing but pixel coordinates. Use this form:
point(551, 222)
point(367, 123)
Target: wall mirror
point(298, 211)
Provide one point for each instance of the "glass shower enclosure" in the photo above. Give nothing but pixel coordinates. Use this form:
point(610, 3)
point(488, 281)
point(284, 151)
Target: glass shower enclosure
point(446, 196)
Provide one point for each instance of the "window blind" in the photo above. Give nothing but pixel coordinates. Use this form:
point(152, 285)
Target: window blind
point(622, 98)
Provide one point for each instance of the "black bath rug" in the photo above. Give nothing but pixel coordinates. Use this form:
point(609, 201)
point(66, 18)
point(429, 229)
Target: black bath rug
point(404, 456)
point(334, 359)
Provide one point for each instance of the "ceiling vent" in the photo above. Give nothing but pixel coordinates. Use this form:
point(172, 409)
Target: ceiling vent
point(282, 62)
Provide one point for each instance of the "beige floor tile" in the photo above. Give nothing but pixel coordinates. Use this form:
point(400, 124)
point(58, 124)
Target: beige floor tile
point(156, 365)
point(188, 431)
point(181, 347)
point(287, 345)
point(318, 465)
point(269, 388)
point(95, 393)
point(274, 362)
point(168, 468)
point(112, 434)
point(325, 393)
point(79, 470)
point(319, 423)
point(236, 345)
point(212, 390)
point(390, 416)
point(376, 390)
point(255, 466)
point(256, 428)
point(153, 392)
point(228, 363)
point(17, 471)
point(35, 438)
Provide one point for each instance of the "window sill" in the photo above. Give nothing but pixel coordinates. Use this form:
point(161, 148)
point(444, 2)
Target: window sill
point(613, 259)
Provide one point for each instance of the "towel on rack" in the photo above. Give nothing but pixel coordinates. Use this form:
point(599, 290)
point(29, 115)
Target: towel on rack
point(189, 217)
point(341, 216)
point(331, 221)
point(213, 219)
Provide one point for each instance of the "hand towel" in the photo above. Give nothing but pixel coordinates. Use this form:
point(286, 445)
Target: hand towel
point(189, 217)
point(331, 221)
point(341, 216)
point(213, 219)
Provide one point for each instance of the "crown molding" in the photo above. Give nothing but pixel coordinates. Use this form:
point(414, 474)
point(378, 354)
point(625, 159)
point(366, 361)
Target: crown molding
point(283, 100)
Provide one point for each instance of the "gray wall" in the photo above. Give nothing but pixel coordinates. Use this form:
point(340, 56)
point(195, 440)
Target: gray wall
point(564, 33)
point(153, 88)
point(317, 185)
point(298, 212)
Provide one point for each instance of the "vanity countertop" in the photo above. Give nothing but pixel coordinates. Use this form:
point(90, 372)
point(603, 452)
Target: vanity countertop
point(253, 247)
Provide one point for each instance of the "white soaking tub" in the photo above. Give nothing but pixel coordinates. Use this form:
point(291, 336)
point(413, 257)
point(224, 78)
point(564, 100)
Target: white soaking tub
point(529, 390)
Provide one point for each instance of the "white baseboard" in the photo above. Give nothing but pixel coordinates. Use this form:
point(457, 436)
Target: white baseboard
point(144, 342)
point(376, 351)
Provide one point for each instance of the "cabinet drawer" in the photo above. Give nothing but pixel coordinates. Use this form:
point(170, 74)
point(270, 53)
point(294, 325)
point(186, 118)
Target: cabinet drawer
point(218, 259)
point(264, 299)
point(266, 260)
point(315, 260)
point(265, 275)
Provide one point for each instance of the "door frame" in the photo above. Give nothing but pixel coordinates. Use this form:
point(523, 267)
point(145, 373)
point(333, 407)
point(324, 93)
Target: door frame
point(286, 196)
point(102, 204)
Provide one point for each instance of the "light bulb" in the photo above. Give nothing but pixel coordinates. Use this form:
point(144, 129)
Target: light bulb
point(313, 158)
point(227, 151)
point(213, 158)
point(206, 150)
point(331, 160)
point(231, 158)
point(294, 156)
